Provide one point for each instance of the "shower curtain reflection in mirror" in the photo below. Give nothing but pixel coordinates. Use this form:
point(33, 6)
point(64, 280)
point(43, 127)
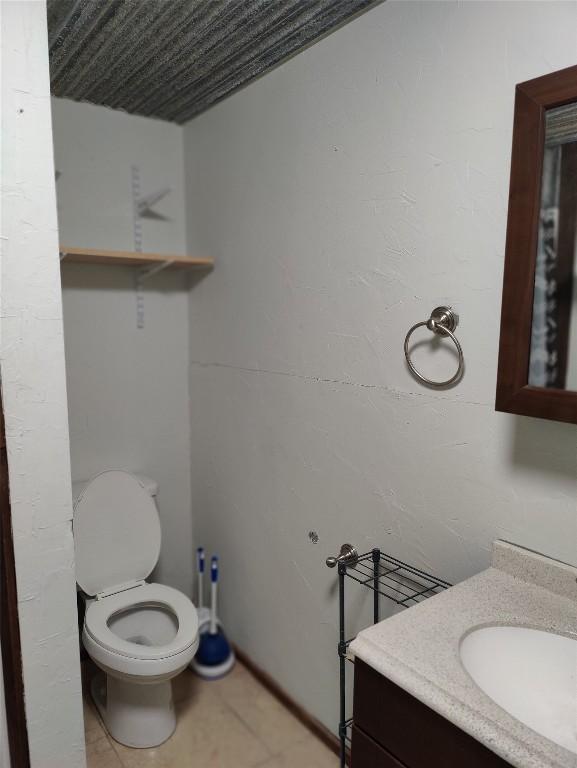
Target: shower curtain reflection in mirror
point(553, 358)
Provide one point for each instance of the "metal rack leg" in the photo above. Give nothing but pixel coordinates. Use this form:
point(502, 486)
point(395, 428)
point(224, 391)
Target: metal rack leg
point(342, 665)
point(376, 560)
point(357, 567)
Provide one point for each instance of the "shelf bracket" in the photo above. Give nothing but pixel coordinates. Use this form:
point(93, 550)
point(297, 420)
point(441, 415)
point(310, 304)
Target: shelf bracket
point(144, 274)
point(145, 204)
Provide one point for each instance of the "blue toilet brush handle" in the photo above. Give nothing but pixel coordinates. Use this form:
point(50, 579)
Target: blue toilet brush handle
point(200, 566)
point(213, 593)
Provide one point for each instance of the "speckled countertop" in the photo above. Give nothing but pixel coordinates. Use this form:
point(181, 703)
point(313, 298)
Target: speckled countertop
point(418, 649)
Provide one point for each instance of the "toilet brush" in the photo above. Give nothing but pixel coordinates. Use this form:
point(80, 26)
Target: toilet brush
point(215, 657)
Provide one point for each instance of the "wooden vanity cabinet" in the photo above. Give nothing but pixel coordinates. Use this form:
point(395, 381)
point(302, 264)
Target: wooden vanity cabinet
point(392, 729)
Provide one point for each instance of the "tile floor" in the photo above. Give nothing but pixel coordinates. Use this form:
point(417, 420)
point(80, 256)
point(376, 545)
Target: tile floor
point(229, 723)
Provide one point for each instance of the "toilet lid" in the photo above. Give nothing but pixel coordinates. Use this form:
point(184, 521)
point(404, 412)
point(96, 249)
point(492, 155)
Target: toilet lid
point(116, 532)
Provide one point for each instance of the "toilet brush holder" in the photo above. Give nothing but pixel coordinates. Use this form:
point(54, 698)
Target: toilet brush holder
point(212, 671)
point(215, 657)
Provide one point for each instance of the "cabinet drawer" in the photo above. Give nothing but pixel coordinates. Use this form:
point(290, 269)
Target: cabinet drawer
point(417, 736)
point(366, 753)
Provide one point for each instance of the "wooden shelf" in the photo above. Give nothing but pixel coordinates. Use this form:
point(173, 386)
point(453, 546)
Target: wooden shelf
point(131, 258)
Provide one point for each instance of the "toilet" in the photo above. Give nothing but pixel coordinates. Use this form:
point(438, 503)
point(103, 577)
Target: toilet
point(139, 634)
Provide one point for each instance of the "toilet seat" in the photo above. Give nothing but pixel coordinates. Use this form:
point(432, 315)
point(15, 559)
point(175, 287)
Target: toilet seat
point(99, 612)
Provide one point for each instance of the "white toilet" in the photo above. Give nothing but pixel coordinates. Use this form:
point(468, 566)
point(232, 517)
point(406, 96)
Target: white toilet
point(141, 635)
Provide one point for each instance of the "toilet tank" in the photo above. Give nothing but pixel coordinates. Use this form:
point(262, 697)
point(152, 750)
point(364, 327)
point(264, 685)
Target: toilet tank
point(150, 485)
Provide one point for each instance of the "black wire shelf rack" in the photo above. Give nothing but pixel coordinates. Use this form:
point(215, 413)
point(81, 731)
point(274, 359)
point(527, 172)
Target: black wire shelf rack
point(387, 577)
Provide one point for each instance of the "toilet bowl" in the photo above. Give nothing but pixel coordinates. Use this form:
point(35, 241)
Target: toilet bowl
point(139, 634)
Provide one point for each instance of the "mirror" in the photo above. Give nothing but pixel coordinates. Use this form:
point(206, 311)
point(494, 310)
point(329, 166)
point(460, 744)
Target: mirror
point(537, 373)
point(553, 355)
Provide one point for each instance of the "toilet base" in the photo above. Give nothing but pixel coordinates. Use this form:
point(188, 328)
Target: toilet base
point(135, 715)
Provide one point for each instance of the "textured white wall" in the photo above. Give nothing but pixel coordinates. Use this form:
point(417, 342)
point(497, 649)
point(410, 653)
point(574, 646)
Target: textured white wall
point(127, 387)
point(34, 394)
point(344, 196)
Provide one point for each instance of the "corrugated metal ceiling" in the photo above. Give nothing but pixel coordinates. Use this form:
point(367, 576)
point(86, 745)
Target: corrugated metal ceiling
point(173, 59)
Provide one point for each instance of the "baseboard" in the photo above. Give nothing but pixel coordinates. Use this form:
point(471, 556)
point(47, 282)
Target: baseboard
point(309, 721)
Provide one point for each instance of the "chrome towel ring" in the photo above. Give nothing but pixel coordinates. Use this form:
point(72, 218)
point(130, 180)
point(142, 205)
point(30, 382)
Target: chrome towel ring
point(443, 322)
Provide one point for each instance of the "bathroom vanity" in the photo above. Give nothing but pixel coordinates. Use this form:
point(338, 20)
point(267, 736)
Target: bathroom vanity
point(483, 675)
point(395, 730)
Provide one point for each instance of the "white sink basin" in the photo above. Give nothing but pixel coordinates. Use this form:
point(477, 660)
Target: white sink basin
point(529, 673)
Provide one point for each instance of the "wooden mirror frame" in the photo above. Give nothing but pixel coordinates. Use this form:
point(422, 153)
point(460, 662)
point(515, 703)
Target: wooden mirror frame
point(514, 395)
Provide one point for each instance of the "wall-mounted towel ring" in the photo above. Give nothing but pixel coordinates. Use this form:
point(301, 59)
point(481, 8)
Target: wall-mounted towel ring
point(443, 322)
